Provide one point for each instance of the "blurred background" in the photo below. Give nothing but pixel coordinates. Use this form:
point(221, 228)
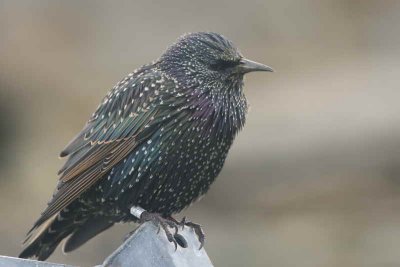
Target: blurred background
point(313, 179)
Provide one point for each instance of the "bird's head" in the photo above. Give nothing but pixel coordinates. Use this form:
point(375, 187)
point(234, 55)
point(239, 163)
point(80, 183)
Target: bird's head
point(208, 61)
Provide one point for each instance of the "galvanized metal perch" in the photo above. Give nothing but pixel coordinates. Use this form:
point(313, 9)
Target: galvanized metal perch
point(144, 248)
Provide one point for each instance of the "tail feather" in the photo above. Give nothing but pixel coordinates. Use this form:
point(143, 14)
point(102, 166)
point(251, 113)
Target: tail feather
point(44, 243)
point(69, 222)
point(44, 239)
point(88, 230)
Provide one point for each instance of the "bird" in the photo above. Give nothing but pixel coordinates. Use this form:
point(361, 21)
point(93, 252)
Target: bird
point(157, 141)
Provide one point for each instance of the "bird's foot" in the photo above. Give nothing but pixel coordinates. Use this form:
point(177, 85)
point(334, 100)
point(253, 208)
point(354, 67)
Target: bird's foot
point(169, 222)
point(197, 229)
point(163, 223)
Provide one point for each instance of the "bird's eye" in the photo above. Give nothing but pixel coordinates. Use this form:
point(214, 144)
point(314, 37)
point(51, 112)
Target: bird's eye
point(223, 64)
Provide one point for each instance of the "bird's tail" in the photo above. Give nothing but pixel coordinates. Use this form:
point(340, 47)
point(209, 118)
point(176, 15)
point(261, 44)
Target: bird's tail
point(65, 223)
point(44, 240)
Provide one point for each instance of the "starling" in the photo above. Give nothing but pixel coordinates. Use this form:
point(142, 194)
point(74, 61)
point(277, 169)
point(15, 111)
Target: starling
point(156, 142)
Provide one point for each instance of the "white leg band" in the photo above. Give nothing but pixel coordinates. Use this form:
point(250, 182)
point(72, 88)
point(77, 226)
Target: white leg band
point(137, 211)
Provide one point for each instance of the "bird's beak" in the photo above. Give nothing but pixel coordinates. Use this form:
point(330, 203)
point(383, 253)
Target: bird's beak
point(247, 65)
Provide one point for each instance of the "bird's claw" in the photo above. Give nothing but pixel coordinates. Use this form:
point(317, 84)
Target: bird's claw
point(197, 229)
point(170, 222)
point(183, 222)
point(163, 223)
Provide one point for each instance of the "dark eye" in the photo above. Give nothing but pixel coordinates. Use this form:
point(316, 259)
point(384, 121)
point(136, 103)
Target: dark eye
point(223, 64)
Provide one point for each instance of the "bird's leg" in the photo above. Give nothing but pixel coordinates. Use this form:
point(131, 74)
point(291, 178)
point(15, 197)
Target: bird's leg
point(197, 229)
point(158, 220)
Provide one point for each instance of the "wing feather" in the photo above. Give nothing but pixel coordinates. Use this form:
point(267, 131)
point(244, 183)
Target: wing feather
point(127, 116)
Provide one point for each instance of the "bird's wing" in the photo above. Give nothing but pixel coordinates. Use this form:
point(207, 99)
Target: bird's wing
point(127, 116)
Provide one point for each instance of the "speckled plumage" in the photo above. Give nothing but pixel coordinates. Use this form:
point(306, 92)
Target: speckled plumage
point(157, 140)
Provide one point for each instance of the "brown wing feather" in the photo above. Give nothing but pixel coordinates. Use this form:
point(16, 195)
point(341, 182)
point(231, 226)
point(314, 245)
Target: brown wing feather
point(97, 163)
point(70, 190)
point(108, 138)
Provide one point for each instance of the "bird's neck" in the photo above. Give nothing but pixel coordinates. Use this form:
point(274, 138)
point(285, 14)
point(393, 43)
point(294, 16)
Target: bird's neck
point(220, 108)
point(222, 111)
